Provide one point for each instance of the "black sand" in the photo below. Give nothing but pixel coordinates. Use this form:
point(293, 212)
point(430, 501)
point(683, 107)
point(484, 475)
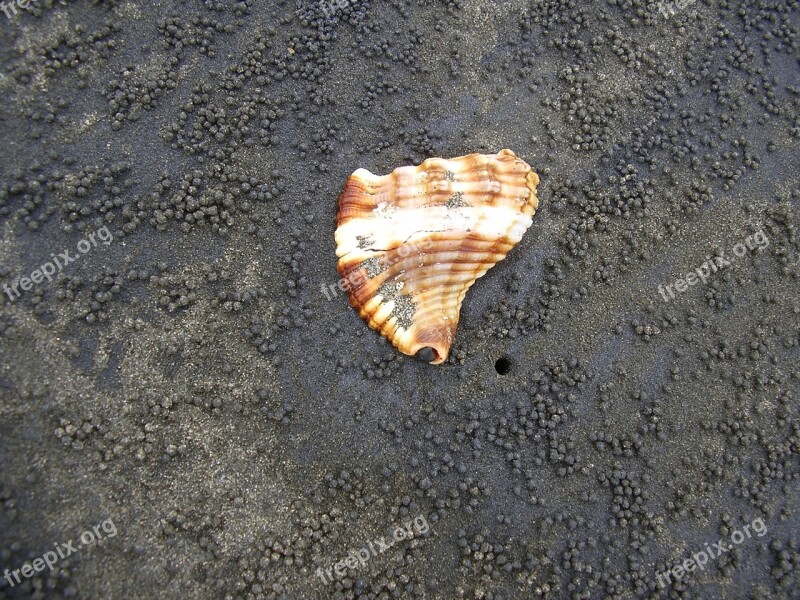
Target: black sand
point(188, 391)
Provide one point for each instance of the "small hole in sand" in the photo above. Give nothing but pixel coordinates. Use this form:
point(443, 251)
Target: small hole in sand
point(503, 365)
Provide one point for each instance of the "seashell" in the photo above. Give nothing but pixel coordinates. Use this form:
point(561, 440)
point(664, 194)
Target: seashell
point(411, 243)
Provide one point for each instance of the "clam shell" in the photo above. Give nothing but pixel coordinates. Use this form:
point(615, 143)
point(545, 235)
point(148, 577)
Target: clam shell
point(411, 243)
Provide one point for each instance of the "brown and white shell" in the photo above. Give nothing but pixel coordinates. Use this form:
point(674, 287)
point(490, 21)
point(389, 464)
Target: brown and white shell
point(410, 244)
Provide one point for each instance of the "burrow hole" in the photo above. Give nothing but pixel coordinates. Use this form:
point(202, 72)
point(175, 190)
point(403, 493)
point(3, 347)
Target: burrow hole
point(503, 365)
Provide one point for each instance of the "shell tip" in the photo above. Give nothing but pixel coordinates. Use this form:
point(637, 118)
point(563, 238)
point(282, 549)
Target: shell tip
point(427, 354)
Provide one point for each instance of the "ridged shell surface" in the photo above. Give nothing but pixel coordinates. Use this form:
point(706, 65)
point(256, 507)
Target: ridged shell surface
point(410, 244)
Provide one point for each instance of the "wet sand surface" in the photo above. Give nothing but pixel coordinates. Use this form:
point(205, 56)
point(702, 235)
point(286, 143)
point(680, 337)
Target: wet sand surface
point(185, 413)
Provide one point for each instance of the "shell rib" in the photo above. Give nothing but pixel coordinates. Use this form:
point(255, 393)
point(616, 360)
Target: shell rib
point(411, 243)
